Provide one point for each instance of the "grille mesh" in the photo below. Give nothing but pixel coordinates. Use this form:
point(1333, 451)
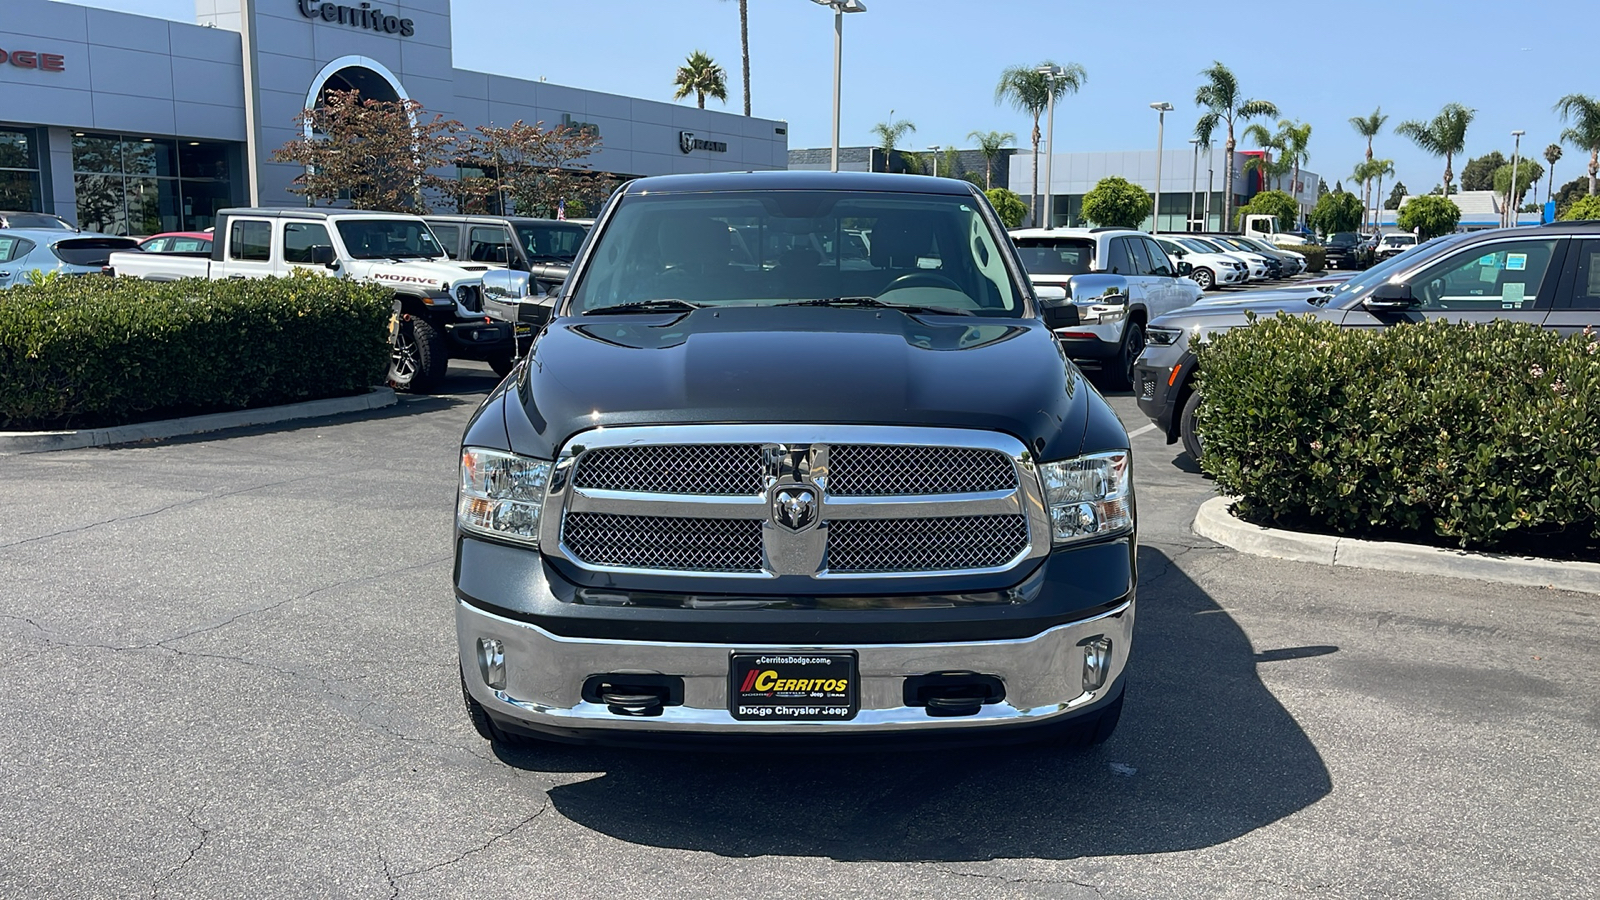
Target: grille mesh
point(673, 469)
point(657, 542)
point(878, 470)
point(925, 545)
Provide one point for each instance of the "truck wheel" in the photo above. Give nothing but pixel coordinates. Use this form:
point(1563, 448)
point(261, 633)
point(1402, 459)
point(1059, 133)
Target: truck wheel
point(1204, 278)
point(1119, 371)
point(417, 357)
point(481, 723)
point(1191, 439)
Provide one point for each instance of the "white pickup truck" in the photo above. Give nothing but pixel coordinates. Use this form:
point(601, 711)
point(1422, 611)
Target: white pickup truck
point(438, 304)
point(1265, 228)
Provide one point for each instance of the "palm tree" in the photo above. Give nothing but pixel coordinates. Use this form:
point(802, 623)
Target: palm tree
point(1445, 136)
point(744, 49)
point(1220, 96)
point(889, 134)
point(1552, 154)
point(990, 144)
point(1030, 91)
point(1267, 165)
point(1369, 128)
point(1370, 170)
point(701, 76)
point(1584, 113)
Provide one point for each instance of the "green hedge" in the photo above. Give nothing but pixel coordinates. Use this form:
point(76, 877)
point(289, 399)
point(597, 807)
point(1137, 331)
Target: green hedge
point(78, 352)
point(1316, 255)
point(1485, 435)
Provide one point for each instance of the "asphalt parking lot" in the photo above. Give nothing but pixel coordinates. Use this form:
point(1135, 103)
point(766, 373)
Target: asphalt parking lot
point(229, 670)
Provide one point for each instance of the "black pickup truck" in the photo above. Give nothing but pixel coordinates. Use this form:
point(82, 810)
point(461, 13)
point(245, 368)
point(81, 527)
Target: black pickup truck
point(751, 488)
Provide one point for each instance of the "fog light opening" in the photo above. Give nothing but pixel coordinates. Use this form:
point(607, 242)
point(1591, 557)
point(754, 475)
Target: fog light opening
point(492, 663)
point(1096, 662)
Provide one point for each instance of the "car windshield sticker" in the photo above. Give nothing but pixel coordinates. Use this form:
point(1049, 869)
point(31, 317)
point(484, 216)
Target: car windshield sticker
point(1486, 260)
point(1488, 274)
point(1511, 294)
point(1516, 262)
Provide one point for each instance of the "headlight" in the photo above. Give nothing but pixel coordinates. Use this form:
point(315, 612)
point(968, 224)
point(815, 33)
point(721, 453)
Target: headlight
point(1162, 336)
point(1089, 496)
point(501, 494)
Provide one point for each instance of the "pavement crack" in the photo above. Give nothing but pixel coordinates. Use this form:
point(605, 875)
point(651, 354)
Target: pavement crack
point(1018, 881)
point(472, 851)
point(205, 835)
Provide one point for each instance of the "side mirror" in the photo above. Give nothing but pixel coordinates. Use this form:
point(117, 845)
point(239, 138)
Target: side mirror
point(1390, 297)
point(511, 296)
point(1185, 267)
point(1058, 311)
point(322, 255)
point(1096, 289)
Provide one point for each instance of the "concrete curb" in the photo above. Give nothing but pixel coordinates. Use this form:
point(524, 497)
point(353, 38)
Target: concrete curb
point(12, 442)
point(1214, 521)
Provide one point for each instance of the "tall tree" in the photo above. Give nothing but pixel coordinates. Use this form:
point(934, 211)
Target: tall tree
point(1368, 127)
point(889, 133)
point(1028, 90)
point(1478, 173)
point(1445, 135)
point(1374, 170)
point(375, 154)
point(700, 75)
point(744, 49)
point(1224, 105)
point(1396, 195)
point(1267, 165)
point(1552, 153)
point(990, 143)
point(1584, 114)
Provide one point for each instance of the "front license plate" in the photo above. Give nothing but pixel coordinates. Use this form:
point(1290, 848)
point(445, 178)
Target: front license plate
point(793, 687)
point(524, 330)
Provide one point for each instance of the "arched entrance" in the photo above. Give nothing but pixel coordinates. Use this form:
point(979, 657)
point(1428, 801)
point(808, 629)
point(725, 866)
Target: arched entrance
point(364, 74)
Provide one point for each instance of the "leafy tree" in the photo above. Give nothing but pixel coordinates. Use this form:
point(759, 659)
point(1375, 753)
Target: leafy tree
point(1552, 154)
point(1322, 189)
point(990, 143)
point(1430, 216)
point(1368, 127)
point(1117, 202)
point(1570, 192)
point(1587, 207)
point(1271, 168)
point(702, 77)
point(1584, 114)
point(1029, 91)
point(375, 154)
point(1396, 195)
point(1271, 203)
point(1445, 135)
point(529, 170)
point(1337, 211)
point(1478, 173)
point(1225, 105)
point(891, 133)
point(1008, 206)
point(1528, 174)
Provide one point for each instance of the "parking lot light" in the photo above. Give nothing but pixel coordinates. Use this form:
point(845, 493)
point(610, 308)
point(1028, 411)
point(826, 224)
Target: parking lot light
point(840, 7)
point(1511, 190)
point(1051, 73)
point(1161, 107)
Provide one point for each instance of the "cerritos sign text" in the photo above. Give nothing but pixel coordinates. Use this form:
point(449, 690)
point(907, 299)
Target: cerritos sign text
point(363, 16)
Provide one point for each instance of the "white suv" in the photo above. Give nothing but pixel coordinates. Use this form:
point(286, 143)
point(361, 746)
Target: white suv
point(1119, 279)
point(1208, 268)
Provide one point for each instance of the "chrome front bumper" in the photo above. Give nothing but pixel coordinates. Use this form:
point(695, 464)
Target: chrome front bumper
point(544, 676)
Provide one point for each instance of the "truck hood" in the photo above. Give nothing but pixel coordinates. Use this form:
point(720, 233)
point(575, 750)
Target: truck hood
point(822, 365)
point(1235, 309)
point(419, 273)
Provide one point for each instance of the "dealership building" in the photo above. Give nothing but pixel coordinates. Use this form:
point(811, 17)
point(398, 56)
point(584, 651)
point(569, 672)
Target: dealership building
point(135, 125)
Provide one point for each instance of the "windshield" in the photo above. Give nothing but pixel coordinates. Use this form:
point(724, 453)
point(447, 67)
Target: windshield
point(1056, 256)
point(751, 248)
point(91, 251)
point(1400, 240)
point(388, 239)
point(1198, 246)
point(1235, 244)
point(1257, 245)
point(554, 242)
point(1383, 270)
point(1344, 237)
point(36, 220)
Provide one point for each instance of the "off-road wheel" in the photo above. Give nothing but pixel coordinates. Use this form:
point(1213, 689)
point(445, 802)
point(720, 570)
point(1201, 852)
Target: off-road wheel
point(417, 356)
point(1119, 371)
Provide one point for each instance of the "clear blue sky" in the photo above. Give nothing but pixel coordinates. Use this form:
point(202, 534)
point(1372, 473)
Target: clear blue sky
point(936, 62)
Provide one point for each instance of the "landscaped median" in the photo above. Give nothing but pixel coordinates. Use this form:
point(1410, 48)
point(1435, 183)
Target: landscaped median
point(99, 353)
point(1483, 437)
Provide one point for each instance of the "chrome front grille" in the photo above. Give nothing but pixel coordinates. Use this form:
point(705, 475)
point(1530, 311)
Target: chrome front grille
point(673, 469)
point(660, 542)
point(783, 501)
point(925, 545)
point(876, 470)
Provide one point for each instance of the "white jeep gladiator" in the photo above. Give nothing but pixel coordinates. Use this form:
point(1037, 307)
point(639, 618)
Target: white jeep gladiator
point(438, 304)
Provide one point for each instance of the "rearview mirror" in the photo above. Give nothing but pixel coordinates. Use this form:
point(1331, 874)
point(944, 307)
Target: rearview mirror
point(1390, 296)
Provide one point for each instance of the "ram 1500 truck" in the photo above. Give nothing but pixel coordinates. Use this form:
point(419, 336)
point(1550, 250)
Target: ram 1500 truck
point(438, 304)
point(733, 493)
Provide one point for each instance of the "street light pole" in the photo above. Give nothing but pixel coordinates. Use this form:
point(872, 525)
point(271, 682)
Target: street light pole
point(1162, 108)
point(933, 169)
point(1511, 190)
point(1194, 183)
point(1051, 73)
point(840, 7)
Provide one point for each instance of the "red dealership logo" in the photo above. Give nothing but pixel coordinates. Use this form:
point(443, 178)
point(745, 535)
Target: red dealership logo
point(30, 59)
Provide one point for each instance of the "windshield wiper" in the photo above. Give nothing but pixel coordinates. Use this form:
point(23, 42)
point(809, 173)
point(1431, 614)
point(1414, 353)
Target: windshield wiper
point(646, 306)
point(875, 303)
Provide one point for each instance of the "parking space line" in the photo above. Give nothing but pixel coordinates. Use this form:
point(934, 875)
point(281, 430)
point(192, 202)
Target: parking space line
point(1138, 431)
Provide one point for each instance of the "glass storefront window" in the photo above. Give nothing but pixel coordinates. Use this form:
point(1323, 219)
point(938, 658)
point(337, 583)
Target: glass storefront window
point(138, 185)
point(19, 171)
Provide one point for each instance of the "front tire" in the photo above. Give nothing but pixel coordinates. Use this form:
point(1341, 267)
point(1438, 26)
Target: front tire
point(417, 356)
point(1205, 278)
point(1119, 371)
point(1186, 431)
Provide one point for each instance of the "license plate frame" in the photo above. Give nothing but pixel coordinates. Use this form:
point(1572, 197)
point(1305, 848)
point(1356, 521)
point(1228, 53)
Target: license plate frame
point(818, 698)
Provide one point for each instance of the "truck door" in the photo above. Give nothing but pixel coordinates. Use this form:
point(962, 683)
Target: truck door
point(248, 253)
point(300, 241)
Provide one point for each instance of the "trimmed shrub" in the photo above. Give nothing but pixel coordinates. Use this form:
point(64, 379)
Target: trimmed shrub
point(1117, 202)
point(77, 352)
point(1008, 206)
point(1486, 435)
point(1429, 216)
point(1316, 255)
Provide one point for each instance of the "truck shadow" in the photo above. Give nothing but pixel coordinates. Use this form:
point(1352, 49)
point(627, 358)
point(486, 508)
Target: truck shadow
point(1204, 755)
